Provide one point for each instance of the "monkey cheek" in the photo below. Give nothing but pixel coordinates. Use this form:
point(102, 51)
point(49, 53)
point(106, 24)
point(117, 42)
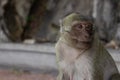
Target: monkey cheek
point(82, 37)
point(85, 39)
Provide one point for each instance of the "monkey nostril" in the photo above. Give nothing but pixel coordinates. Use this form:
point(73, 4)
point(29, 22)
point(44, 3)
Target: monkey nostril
point(87, 35)
point(89, 31)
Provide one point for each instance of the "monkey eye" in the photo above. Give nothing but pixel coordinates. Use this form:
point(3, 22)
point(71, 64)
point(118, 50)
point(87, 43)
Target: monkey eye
point(89, 27)
point(78, 26)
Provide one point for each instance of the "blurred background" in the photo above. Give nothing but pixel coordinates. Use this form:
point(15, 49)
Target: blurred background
point(37, 22)
point(21, 20)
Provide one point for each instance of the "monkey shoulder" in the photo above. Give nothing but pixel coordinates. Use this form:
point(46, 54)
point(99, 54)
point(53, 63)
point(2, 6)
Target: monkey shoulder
point(103, 63)
point(104, 57)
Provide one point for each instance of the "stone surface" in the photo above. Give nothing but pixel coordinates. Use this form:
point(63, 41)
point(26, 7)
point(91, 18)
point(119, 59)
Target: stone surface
point(11, 75)
point(35, 57)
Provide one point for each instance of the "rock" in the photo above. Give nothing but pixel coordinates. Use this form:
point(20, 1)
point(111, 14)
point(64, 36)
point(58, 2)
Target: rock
point(3, 37)
point(24, 76)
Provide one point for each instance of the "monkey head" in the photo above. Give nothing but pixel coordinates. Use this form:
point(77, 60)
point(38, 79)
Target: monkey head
point(79, 27)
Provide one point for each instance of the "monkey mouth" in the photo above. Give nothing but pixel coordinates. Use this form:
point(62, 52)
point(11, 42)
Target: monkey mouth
point(85, 42)
point(85, 39)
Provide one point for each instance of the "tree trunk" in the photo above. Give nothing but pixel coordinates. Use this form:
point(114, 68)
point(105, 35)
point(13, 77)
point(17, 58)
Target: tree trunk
point(105, 19)
point(35, 18)
point(12, 21)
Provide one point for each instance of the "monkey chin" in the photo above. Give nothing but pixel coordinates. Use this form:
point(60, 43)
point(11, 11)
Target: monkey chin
point(81, 44)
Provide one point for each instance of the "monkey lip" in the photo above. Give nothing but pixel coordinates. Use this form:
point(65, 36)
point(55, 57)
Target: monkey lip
point(86, 42)
point(85, 39)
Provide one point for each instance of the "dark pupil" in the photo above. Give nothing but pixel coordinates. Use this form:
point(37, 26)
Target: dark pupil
point(79, 26)
point(89, 27)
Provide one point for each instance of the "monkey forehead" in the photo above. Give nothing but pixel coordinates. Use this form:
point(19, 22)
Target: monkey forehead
point(74, 17)
point(80, 22)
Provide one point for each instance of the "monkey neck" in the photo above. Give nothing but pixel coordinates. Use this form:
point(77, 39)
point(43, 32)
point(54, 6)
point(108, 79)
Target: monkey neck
point(75, 43)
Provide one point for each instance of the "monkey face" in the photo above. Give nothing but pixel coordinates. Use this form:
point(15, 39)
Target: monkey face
point(82, 31)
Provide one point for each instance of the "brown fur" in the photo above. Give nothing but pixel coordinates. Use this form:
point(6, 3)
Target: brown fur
point(80, 55)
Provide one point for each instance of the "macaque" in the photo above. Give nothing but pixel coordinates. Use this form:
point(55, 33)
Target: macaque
point(80, 55)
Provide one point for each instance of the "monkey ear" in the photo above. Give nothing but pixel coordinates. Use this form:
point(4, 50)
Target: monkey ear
point(61, 26)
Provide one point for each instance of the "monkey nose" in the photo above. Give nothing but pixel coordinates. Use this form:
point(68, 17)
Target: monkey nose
point(89, 32)
point(87, 36)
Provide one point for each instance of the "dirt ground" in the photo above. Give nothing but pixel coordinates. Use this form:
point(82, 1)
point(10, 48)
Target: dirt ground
point(14, 75)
